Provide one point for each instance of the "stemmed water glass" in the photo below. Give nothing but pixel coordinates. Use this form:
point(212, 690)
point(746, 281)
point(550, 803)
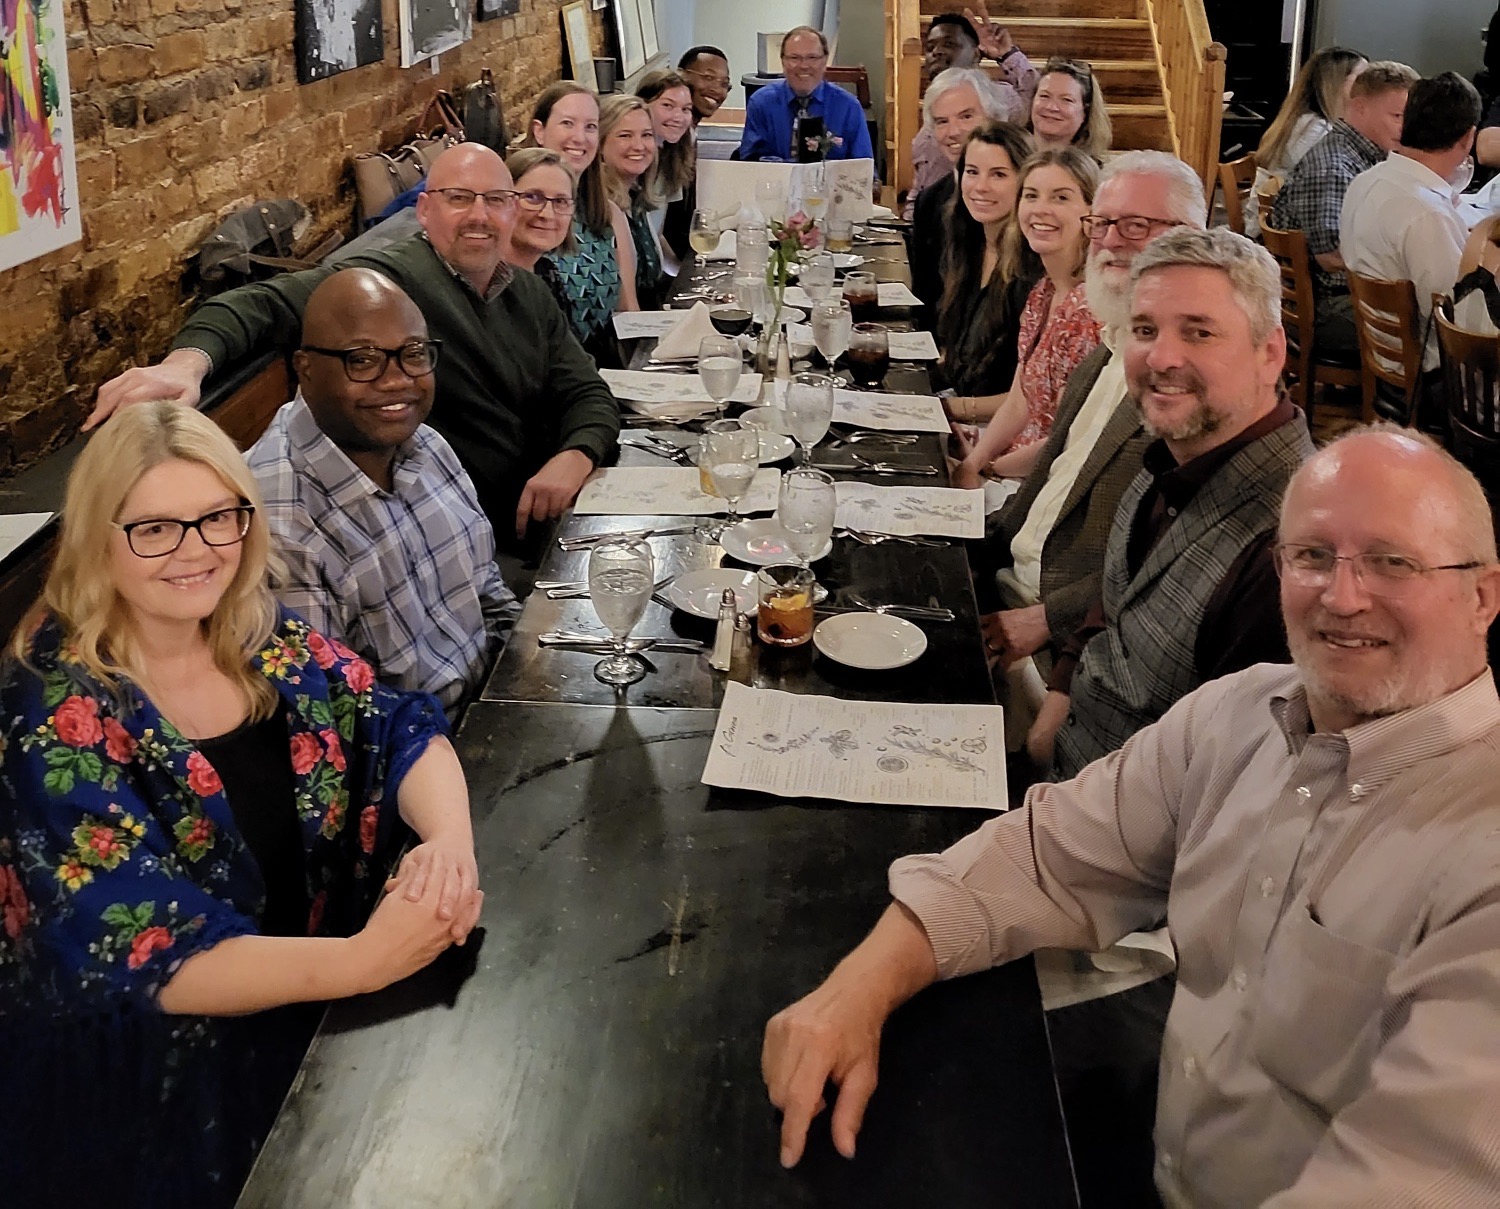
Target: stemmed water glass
point(621, 579)
point(817, 276)
point(729, 456)
point(832, 325)
point(809, 411)
point(805, 512)
point(750, 294)
point(720, 364)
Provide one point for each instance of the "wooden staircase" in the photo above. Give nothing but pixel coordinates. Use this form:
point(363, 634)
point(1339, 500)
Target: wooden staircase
point(1161, 72)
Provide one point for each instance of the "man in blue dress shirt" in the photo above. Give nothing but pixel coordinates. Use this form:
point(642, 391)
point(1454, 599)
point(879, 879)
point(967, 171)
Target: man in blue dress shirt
point(774, 109)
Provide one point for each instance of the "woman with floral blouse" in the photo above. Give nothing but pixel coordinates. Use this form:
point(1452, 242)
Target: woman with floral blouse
point(197, 797)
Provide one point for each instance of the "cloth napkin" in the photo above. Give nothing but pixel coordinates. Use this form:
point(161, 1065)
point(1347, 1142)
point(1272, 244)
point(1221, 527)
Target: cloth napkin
point(681, 343)
point(726, 249)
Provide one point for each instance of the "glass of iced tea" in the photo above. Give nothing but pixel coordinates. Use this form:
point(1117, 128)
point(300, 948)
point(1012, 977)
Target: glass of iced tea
point(785, 615)
point(863, 296)
point(869, 355)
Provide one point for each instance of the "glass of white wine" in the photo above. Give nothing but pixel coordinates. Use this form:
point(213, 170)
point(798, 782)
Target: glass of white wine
point(809, 411)
point(728, 457)
point(704, 233)
point(832, 325)
point(621, 579)
point(719, 367)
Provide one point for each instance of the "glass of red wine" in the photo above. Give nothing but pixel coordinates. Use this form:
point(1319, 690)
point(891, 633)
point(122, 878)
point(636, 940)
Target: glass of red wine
point(730, 320)
point(869, 355)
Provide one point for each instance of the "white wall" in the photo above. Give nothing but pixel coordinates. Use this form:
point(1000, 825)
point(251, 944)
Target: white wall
point(1436, 36)
point(733, 25)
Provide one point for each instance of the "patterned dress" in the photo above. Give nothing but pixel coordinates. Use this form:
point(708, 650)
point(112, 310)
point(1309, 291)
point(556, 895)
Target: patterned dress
point(119, 859)
point(590, 279)
point(1048, 355)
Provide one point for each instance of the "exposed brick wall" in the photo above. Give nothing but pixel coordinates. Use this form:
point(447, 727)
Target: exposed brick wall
point(183, 111)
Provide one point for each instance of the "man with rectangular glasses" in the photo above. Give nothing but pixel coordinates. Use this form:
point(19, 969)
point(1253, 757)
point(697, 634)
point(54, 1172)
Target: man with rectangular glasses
point(516, 396)
point(380, 530)
point(804, 99)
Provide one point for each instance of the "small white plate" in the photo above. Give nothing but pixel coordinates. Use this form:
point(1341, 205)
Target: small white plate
point(767, 419)
point(699, 592)
point(774, 447)
point(870, 640)
point(762, 542)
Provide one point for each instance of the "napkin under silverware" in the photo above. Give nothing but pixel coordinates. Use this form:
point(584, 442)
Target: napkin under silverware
point(593, 643)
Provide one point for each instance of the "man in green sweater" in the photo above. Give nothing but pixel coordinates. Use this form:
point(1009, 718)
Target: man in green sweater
point(517, 397)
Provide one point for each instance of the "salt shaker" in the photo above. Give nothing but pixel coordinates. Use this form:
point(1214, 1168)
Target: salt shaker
point(723, 653)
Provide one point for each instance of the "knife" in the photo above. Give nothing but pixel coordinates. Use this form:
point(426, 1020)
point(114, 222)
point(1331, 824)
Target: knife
point(592, 643)
point(593, 539)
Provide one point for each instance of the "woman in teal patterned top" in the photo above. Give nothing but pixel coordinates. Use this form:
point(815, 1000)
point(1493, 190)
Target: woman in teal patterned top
point(598, 277)
point(627, 151)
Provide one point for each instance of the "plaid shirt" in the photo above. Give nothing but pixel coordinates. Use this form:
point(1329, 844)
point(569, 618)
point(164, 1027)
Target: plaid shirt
point(1313, 196)
point(406, 577)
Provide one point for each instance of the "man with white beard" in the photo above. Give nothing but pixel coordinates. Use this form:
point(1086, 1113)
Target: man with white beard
point(1047, 543)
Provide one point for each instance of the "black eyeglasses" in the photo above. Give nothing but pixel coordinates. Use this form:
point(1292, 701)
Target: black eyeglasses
point(1130, 226)
point(158, 538)
point(535, 201)
point(368, 363)
point(462, 199)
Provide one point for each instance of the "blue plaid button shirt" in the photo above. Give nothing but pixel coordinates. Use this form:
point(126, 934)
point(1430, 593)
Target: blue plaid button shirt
point(405, 577)
point(1313, 196)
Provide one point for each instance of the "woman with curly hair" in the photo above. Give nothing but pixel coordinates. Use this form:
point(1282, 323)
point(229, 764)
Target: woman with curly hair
point(198, 798)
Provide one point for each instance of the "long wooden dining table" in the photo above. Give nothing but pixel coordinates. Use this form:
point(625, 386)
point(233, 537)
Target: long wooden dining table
point(597, 1041)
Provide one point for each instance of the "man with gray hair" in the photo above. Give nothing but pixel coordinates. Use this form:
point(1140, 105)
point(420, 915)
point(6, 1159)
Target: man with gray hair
point(1326, 837)
point(1189, 585)
point(956, 101)
point(1048, 542)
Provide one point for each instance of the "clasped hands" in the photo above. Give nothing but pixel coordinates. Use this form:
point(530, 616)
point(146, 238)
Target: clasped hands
point(442, 873)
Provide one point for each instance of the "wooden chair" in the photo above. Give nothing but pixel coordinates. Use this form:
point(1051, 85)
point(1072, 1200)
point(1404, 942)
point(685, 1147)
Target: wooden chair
point(1390, 340)
point(1236, 180)
point(1471, 375)
point(1306, 367)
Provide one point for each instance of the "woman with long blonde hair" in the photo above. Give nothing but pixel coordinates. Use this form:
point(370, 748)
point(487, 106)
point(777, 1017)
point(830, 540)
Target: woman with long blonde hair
point(1057, 330)
point(199, 796)
point(1069, 110)
point(628, 154)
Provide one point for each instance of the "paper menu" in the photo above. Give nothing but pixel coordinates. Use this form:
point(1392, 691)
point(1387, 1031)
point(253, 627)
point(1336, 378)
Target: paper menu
point(895, 413)
point(667, 491)
point(912, 346)
point(726, 185)
point(665, 387)
point(910, 511)
point(893, 293)
point(882, 752)
point(636, 325)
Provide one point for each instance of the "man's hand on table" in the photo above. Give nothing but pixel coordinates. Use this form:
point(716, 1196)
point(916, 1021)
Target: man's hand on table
point(834, 1032)
point(1043, 733)
point(445, 864)
point(1015, 633)
point(178, 378)
point(553, 488)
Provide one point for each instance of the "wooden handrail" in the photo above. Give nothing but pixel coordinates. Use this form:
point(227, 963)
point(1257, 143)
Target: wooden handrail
point(903, 86)
point(1192, 80)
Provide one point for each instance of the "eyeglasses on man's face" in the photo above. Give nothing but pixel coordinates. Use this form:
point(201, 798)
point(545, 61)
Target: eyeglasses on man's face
point(803, 60)
point(1130, 226)
point(533, 201)
point(1378, 572)
point(366, 363)
point(708, 77)
point(158, 537)
point(462, 199)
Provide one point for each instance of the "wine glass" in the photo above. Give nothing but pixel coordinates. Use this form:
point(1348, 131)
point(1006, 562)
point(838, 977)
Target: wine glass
point(817, 276)
point(832, 323)
point(869, 355)
point(750, 294)
point(729, 455)
point(621, 580)
point(805, 512)
point(770, 199)
point(730, 320)
point(719, 367)
point(704, 233)
point(809, 410)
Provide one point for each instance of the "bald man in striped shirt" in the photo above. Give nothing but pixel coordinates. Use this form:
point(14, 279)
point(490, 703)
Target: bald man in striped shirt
point(1324, 839)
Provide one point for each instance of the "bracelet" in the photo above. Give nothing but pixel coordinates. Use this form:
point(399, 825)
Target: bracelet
point(1014, 50)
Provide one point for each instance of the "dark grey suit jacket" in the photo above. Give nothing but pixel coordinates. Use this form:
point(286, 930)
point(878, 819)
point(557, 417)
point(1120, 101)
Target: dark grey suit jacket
point(1073, 554)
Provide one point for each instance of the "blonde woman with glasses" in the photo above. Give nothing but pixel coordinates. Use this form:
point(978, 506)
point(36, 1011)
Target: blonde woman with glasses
point(199, 799)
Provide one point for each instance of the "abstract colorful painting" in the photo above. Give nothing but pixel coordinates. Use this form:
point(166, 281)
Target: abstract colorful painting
point(38, 178)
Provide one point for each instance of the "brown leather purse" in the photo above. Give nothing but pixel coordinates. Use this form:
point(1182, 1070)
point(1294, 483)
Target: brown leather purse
point(382, 176)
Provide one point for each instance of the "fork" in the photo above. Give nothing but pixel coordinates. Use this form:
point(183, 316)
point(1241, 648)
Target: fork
point(863, 463)
point(885, 438)
point(662, 449)
point(866, 538)
point(915, 612)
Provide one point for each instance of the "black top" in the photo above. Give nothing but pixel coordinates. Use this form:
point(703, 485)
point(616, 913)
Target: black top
point(929, 236)
point(982, 357)
point(255, 764)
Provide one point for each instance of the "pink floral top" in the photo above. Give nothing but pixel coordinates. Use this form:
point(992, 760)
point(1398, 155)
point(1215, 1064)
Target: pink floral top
point(1048, 355)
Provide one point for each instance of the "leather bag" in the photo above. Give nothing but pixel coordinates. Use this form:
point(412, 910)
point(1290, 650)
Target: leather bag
point(382, 176)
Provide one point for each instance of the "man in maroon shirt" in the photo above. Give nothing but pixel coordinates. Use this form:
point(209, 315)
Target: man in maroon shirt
point(1189, 589)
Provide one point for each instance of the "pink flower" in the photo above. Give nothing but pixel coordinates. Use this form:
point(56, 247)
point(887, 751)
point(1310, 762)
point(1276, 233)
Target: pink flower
point(335, 748)
point(77, 722)
point(119, 745)
point(202, 779)
point(369, 819)
point(147, 943)
point(341, 650)
point(306, 752)
point(321, 651)
point(359, 675)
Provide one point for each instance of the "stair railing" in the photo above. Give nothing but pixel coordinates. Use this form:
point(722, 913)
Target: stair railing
point(1192, 81)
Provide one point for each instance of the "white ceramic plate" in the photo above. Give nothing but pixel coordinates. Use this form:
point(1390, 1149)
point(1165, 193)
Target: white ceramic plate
point(774, 447)
point(767, 419)
point(699, 592)
point(762, 542)
point(870, 640)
